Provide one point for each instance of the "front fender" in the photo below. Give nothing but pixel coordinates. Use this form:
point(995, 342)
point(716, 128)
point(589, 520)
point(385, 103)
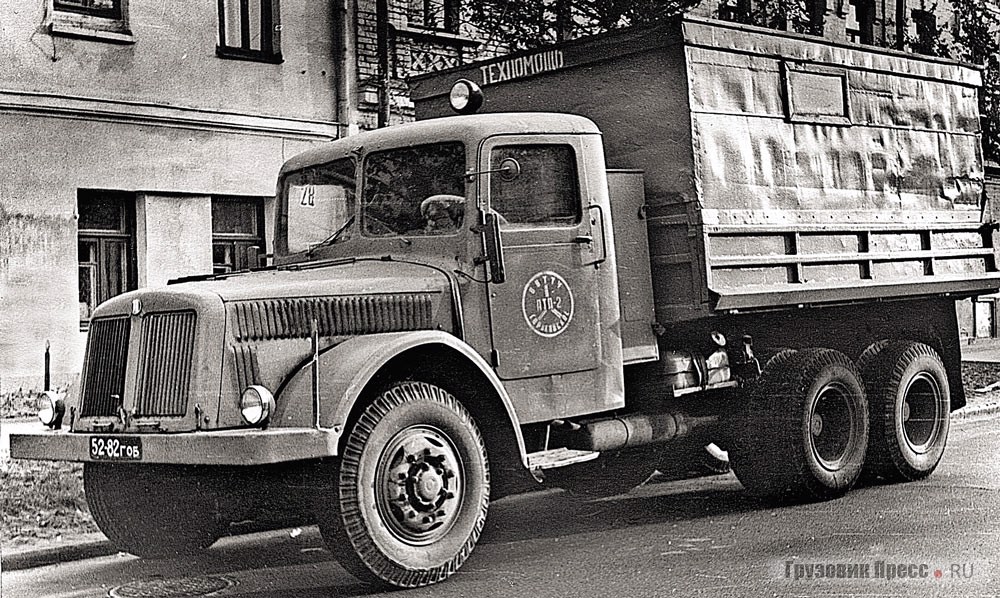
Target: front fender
point(346, 369)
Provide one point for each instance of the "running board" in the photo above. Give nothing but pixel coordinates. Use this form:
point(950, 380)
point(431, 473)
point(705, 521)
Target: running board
point(559, 457)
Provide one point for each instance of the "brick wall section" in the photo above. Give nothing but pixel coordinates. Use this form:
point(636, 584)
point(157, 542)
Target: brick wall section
point(410, 54)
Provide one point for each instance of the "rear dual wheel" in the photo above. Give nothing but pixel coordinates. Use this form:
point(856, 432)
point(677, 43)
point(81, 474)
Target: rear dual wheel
point(806, 428)
point(910, 410)
point(410, 493)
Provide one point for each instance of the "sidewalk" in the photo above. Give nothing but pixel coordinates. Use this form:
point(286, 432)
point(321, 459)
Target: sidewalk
point(982, 350)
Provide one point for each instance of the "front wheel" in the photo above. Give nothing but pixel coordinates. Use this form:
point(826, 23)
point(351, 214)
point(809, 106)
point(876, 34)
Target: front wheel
point(910, 406)
point(411, 492)
point(806, 428)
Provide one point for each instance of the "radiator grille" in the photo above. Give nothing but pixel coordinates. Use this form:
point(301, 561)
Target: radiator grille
point(166, 352)
point(104, 374)
point(292, 318)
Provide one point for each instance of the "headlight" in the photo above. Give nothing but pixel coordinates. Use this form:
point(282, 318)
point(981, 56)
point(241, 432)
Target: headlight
point(51, 409)
point(465, 97)
point(256, 405)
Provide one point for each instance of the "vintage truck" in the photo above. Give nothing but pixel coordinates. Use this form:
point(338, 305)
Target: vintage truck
point(700, 230)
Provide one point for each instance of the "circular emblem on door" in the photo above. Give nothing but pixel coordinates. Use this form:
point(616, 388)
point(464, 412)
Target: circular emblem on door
point(547, 304)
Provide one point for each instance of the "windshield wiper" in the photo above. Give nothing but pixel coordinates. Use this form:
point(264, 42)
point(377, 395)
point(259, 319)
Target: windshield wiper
point(333, 236)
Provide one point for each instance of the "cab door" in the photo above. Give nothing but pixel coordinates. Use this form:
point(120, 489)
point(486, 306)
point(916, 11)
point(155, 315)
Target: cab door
point(544, 316)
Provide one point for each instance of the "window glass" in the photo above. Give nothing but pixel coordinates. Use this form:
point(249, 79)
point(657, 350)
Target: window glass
point(249, 29)
point(235, 216)
point(110, 9)
point(318, 205)
point(436, 14)
point(414, 191)
point(105, 247)
point(237, 225)
point(101, 213)
point(546, 192)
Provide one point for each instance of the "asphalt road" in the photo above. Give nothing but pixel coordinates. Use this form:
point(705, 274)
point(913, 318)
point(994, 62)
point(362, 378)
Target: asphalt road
point(689, 538)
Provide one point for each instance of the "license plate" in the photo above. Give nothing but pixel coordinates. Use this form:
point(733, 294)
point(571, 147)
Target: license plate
point(116, 448)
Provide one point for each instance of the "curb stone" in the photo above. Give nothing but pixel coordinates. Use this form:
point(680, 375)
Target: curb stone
point(977, 411)
point(29, 559)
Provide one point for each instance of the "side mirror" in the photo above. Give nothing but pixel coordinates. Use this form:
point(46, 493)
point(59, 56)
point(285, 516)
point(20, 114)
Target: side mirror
point(493, 246)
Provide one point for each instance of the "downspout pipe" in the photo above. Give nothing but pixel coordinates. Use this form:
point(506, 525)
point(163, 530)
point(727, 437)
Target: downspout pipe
point(382, 50)
point(346, 61)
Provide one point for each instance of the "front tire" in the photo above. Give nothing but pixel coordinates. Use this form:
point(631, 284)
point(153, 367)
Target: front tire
point(806, 428)
point(411, 491)
point(910, 411)
point(153, 511)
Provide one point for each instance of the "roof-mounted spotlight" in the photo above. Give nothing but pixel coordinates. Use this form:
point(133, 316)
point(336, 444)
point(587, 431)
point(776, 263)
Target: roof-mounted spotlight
point(465, 97)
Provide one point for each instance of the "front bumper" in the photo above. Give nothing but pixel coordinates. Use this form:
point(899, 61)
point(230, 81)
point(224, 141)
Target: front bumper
point(224, 447)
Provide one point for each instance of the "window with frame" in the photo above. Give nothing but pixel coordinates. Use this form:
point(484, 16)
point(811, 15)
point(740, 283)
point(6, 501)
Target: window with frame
point(237, 225)
point(441, 15)
point(735, 11)
point(316, 206)
point(100, 19)
point(108, 9)
point(106, 248)
point(926, 32)
point(545, 193)
point(414, 191)
point(861, 21)
point(250, 30)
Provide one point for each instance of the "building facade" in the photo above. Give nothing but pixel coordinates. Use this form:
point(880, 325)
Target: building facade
point(142, 140)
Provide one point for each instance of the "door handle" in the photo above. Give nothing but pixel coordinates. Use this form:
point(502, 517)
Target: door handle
point(589, 239)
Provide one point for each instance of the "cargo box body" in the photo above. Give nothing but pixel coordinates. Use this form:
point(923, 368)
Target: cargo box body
point(779, 169)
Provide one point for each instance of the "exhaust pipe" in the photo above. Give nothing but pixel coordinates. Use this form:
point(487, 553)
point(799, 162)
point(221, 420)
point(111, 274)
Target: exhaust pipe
point(638, 429)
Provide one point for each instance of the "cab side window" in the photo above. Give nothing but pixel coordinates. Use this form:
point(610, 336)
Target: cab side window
point(545, 193)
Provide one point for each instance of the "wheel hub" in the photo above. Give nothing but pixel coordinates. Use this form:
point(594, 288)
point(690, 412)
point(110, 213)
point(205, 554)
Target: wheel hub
point(831, 425)
point(421, 485)
point(921, 412)
point(817, 424)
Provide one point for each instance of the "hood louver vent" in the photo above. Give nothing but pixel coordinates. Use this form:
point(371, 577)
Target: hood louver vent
point(336, 316)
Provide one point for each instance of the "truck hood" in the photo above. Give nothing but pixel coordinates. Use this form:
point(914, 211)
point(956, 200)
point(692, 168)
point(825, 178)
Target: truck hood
point(362, 277)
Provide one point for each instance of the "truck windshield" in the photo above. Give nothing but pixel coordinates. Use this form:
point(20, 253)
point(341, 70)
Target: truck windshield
point(414, 191)
point(319, 204)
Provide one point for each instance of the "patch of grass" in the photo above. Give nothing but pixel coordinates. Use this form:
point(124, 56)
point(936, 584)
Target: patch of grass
point(19, 403)
point(42, 500)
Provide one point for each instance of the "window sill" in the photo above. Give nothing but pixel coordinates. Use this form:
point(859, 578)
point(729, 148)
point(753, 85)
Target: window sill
point(250, 55)
point(436, 36)
point(88, 27)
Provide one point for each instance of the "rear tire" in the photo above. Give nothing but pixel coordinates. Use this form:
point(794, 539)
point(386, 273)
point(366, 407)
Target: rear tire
point(910, 403)
point(806, 428)
point(153, 511)
point(410, 493)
